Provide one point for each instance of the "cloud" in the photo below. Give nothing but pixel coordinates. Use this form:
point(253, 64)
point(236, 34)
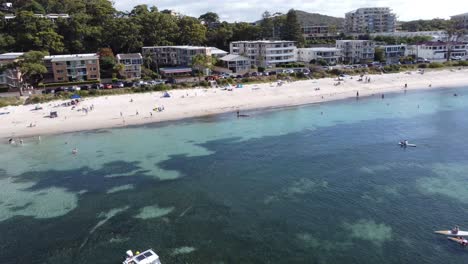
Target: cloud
point(251, 10)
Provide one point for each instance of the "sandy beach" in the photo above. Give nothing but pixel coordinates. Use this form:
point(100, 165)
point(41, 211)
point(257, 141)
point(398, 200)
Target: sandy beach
point(134, 109)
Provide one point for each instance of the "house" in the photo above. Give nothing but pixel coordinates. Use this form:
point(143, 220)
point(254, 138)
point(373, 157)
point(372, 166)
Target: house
point(9, 78)
point(132, 63)
point(266, 53)
point(72, 68)
point(356, 51)
point(236, 63)
point(393, 53)
point(370, 20)
point(438, 51)
point(331, 56)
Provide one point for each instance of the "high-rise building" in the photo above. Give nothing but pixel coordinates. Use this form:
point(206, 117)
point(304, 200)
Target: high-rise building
point(356, 51)
point(370, 20)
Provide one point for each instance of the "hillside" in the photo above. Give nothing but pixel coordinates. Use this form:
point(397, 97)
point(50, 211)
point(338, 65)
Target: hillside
point(306, 18)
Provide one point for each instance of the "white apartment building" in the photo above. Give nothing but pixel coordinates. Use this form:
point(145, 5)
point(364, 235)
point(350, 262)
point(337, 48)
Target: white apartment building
point(370, 20)
point(461, 20)
point(331, 56)
point(356, 51)
point(312, 32)
point(435, 35)
point(178, 55)
point(393, 53)
point(132, 63)
point(265, 53)
point(439, 51)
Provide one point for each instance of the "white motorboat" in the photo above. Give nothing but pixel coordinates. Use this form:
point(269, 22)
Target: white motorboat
point(450, 233)
point(145, 257)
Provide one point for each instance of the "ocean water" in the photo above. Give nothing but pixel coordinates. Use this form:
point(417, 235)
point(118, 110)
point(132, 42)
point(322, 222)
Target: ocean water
point(324, 183)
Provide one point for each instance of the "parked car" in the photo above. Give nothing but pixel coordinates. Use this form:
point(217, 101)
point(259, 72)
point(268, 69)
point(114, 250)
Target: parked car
point(48, 91)
point(254, 74)
point(107, 86)
point(85, 87)
point(117, 85)
point(271, 73)
point(97, 86)
point(289, 71)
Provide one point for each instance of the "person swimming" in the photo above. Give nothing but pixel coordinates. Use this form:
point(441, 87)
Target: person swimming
point(74, 151)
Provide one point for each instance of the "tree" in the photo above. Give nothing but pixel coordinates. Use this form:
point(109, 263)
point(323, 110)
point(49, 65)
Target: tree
point(209, 18)
point(379, 55)
point(29, 69)
point(119, 69)
point(293, 30)
point(266, 25)
point(106, 62)
point(191, 31)
point(202, 62)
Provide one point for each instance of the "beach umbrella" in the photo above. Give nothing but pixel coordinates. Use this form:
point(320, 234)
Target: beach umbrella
point(75, 96)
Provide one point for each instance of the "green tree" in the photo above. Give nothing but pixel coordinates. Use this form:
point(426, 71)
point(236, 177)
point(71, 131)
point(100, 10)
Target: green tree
point(201, 63)
point(266, 25)
point(191, 31)
point(293, 30)
point(209, 18)
point(29, 68)
point(245, 31)
point(220, 37)
point(379, 54)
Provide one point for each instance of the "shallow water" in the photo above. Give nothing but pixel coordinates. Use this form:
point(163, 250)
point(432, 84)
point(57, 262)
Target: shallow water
point(314, 184)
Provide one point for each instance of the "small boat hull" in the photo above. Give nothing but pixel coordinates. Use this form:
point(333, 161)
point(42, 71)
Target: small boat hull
point(458, 240)
point(449, 233)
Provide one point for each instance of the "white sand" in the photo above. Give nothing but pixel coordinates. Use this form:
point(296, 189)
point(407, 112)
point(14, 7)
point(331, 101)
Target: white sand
point(201, 102)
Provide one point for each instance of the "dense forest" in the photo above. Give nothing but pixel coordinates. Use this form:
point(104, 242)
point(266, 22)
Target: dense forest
point(95, 24)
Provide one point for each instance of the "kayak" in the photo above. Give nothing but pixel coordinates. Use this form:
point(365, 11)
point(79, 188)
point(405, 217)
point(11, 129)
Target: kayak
point(449, 233)
point(458, 240)
point(407, 145)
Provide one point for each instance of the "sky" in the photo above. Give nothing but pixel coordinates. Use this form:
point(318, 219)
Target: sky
point(251, 10)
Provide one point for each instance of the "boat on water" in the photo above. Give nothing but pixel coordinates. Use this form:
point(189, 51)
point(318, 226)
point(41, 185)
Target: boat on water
point(145, 257)
point(459, 240)
point(451, 233)
point(406, 144)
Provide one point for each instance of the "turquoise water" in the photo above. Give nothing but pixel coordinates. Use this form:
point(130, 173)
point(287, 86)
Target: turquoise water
point(315, 184)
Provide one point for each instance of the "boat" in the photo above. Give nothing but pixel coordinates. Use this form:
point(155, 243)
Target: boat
point(459, 240)
point(450, 233)
point(145, 257)
point(406, 145)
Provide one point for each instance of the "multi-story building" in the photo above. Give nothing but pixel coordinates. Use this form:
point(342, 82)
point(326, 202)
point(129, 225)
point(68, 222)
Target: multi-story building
point(356, 51)
point(435, 35)
point(178, 55)
point(265, 53)
point(393, 53)
point(370, 20)
point(72, 68)
point(236, 63)
point(439, 51)
point(132, 63)
point(331, 56)
point(461, 20)
point(312, 32)
point(9, 78)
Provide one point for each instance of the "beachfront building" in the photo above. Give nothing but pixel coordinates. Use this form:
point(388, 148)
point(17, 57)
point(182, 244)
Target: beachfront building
point(356, 51)
point(71, 68)
point(393, 53)
point(331, 56)
point(438, 51)
point(132, 65)
point(235, 64)
point(370, 20)
point(461, 20)
point(9, 78)
point(178, 55)
point(52, 17)
point(266, 53)
point(434, 35)
point(313, 32)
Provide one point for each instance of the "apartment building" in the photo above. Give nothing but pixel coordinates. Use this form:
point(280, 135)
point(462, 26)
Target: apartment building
point(72, 68)
point(439, 51)
point(312, 32)
point(331, 56)
point(9, 78)
point(370, 20)
point(178, 55)
point(356, 51)
point(265, 53)
point(393, 53)
point(132, 63)
point(461, 20)
point(435, 35)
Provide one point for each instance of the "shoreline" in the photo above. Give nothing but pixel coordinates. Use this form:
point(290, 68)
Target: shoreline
point(119, 111)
